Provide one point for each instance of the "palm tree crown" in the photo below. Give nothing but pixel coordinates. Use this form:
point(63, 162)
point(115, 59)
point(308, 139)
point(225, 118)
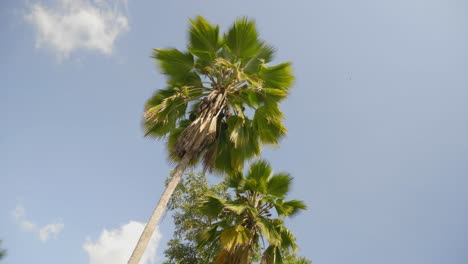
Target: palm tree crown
point(222, 99)
point(257, 213)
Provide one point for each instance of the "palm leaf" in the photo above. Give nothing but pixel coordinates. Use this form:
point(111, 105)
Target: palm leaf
point(257, 176)
point(234, 236)
point(279, 184)
point(268, 229)
point(279, 76)
point(292, 207)
point(269, 126)
point(212, 206)
point(162, 111)
point(175, 64)
point(204, 40)
point(265, 55)
point(236, 208)
point(242, 39)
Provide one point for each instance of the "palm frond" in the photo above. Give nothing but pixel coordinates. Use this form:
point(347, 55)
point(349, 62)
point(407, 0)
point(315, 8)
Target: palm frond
point(288, 240)
point(236, 208)
point(293, 207)
point(163, 110)
point(278, 76)
point(269, 231)
point(234, 236)
point(257, 176)
point(264, 55)
point(212, 206)
point(175, 64)
point(279, 184)
point(204, 40)
point(242, 39)
point(269, 126)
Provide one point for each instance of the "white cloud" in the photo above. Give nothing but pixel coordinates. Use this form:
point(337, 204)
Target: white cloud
point(50, 230)
point(71, 25)
point(43, 233)
point(27, 225)
point(115, 246)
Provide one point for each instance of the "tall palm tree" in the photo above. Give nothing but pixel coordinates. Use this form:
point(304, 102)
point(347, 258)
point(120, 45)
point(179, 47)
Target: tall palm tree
point(257, 213)
point(220, 104)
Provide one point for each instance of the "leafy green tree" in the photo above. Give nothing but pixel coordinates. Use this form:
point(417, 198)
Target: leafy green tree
point(189, 222)
point(256, 213)
point(221, 102)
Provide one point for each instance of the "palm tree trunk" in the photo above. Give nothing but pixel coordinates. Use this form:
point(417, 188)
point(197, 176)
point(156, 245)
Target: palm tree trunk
point(158, 211)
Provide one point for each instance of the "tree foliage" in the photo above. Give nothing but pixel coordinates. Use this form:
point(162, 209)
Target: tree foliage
point(189, 222)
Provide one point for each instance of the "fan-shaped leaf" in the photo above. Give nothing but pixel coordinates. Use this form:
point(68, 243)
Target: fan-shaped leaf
point(212, 206)
point(242, 39)
point(163, 110)
point(174, 63)
point(265, 55)
point(234, 236)
point(292, 207)
point(279, 76)
point(269, 126)
point(204, 40)
point(279, 184)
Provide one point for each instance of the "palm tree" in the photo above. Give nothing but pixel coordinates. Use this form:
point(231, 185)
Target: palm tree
point(240, 224)
point(220, 104)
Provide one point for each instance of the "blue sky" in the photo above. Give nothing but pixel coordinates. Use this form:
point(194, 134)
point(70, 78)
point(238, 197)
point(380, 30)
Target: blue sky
point(378, 125)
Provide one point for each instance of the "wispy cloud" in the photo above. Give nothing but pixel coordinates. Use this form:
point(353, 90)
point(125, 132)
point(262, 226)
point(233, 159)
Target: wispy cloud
point(43, 233)
point(50, 230)
point(116, 245)
point(71, 25)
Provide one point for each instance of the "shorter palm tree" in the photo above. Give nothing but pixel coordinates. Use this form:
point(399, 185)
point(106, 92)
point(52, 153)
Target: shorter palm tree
point(256, 214)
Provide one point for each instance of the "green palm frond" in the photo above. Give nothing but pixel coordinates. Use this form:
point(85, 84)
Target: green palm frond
point(289, 208)
point(269, 231)
point(272, 255)
point(163, 110)
point(237, 208)
point(269, 127)
point(204, 39)
point(234, 236)
point(235, 180)
point(264, 55)
point(212, 206)
point(242, 39)
point(288, 240)
point(278, 76)
point(259, 170)
point(208, 236)
point(175, 64)
point(279, 184)
point(294, 206)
